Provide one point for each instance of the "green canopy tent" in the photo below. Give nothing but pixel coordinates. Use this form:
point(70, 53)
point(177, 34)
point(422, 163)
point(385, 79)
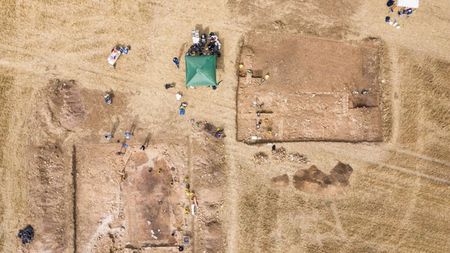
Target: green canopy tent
point(200, 70)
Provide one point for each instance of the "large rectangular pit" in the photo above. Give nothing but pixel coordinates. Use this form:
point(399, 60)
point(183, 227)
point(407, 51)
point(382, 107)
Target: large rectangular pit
point(316, 90)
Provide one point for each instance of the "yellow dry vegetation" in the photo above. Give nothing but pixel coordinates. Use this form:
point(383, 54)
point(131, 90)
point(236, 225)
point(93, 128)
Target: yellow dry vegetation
point(398, 196)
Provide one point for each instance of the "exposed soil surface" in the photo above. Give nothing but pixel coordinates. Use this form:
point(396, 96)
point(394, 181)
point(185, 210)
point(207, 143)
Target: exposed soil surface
point(338, 176)
point(316, 89)
point(62, 176)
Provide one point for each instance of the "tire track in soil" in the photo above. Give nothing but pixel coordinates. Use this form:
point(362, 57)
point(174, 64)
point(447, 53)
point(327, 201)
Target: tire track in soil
point(420, 156)
point(409, 212)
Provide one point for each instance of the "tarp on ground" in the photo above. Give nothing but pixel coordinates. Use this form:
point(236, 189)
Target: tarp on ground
point(408, 3)
point(201, 70)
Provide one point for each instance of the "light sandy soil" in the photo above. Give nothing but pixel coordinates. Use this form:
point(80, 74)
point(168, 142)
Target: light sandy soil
point(397, 197)
point(299, 101)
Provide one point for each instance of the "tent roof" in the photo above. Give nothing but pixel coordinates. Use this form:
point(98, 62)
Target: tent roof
point(201, 70)
point(408, 3)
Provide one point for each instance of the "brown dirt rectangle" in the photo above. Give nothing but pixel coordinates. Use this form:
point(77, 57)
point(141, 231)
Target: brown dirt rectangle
point(317, 89)
point(131, 198)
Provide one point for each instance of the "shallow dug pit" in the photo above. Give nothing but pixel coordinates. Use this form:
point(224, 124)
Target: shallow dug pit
point(280, 181)
point(279, 153)
point(312, 176)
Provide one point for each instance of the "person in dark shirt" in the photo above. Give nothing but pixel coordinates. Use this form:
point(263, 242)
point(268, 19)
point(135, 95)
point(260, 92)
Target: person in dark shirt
point(176, 61)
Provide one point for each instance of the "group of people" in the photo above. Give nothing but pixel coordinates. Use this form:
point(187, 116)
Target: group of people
point(397, 12)
point(205, 45)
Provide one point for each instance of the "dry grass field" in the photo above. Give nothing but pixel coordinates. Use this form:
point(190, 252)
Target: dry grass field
point(388, 196)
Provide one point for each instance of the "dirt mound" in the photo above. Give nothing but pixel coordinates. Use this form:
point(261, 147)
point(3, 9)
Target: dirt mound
point(280, 181)
point(209, 128)
point(338, 176)
point(279, 153)
point(65, 103)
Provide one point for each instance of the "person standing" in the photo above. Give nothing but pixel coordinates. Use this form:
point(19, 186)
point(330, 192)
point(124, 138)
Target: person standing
point(390, 5)
point(176, 61)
